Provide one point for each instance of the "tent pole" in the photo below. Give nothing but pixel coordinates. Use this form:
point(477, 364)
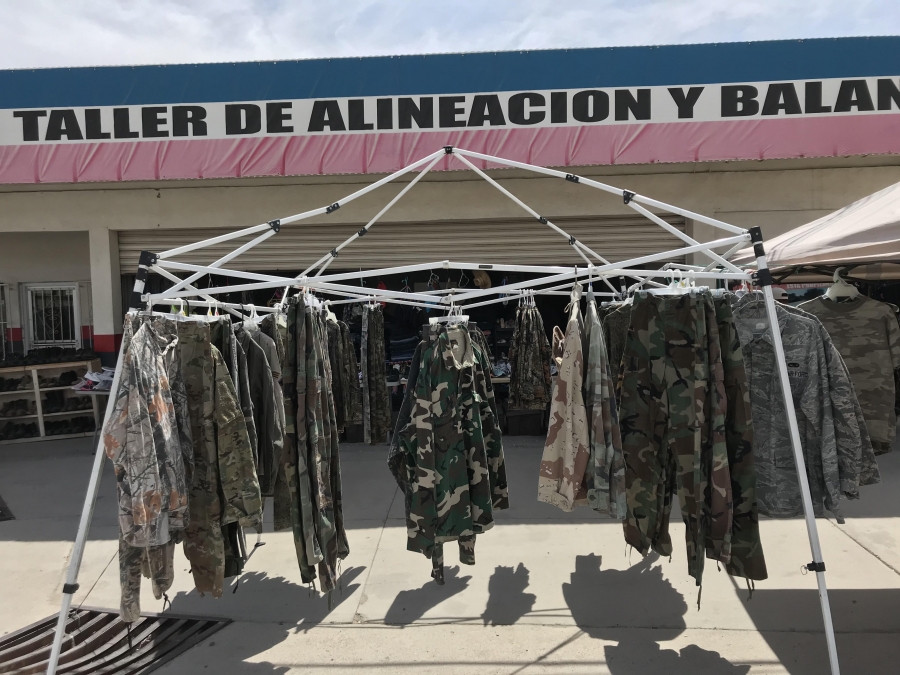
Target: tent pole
point(70, 587)
point(764, 279)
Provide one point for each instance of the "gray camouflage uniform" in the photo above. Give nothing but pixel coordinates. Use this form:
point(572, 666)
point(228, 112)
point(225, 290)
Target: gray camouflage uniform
point(866, 333)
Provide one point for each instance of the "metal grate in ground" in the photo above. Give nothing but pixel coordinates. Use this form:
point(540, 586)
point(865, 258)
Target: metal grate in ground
point(98, 641)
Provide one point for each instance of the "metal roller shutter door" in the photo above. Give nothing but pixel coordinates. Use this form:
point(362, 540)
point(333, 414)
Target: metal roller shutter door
point(506, 241)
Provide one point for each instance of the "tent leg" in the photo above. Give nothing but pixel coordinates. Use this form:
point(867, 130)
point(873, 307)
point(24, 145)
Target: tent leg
point(90, 499)
point(87, 513)
point(764, 278)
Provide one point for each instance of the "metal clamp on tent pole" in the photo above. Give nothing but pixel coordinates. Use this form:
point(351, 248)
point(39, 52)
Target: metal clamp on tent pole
point(144, 262)
point(628, 195)
point(762, 277)
point(448, 149)
point(815, 566)
point(572, 178)
point(334, 253)
point(70, 589)
point(331, 209)
point(572, 240)
point(275, 224)
point(362, 232)
point(542, 219)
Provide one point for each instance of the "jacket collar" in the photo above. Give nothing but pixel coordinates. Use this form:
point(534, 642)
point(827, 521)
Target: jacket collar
point(456, 337)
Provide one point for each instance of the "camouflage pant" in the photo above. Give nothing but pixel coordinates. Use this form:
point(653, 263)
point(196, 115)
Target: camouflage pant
point(155, 563)
point(204, 544)
point(747, 559)
point(376, 403)
point(672, 423)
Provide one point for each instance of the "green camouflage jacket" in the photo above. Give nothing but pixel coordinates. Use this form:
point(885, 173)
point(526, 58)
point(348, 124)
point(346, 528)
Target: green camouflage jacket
point(455, 472)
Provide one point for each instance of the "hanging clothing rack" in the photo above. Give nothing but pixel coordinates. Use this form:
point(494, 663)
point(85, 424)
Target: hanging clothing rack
point(596, 268)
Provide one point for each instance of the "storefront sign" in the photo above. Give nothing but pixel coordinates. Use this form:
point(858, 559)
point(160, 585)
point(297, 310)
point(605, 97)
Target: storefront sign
point(169, 122)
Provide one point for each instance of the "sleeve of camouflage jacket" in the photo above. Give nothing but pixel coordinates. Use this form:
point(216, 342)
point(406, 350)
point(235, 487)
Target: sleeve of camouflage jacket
point(490, 426)
point(422, 520)
point(242, 392)
point(237, 471)
point(820, 447)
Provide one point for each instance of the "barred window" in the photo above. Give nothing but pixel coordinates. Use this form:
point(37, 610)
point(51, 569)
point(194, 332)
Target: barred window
point(53, 315)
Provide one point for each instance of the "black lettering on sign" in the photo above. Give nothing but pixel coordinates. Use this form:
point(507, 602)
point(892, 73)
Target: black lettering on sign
point(449, 108)
point(781, 96)
point(384, 113)
point(486, 108)
point(813, 99)
point(242, 118)
point(326, 112)
point(685, 102)
point(423, 114)
point(63, 123)
point(30, 131)
point(276, 117)
point(184, 116)
point(93, 126)
point(887, 92)
point(151, 122)
point(517, 108)
point(357, 115)
point(559, 107)
point(739, 100)
point(626, 102)
point(122, 124)
point(853, 94)
point(590, 106)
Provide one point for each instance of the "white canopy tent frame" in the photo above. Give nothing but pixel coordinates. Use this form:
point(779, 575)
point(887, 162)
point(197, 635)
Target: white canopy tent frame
point(719, 268)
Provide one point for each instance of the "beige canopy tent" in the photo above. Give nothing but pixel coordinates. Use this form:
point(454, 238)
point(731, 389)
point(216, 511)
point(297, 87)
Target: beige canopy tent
point(867, 232)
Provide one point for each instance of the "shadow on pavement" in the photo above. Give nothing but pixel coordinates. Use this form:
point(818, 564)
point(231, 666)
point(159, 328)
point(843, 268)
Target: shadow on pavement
point(507, 600)
point(259, 594)
point(860, 616)
point(603, 602)
point(410, 606)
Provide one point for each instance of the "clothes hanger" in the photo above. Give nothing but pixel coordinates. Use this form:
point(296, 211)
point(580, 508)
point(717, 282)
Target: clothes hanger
point(454, 316)
point(840, 289)
point(463, 279)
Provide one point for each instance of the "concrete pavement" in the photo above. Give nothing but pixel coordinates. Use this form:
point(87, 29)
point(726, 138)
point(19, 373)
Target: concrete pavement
point(551, 592)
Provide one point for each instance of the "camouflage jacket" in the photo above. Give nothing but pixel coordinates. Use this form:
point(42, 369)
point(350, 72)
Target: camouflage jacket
point(856, 457)
point(143, 439)
point(454, 470)
point(867, 336)
point(308, 498)
point(349, 371)
point(529, 358)
point(616, 321)
point(262, 400)
point(605, 474)
point(777, 482)
point(566, 449)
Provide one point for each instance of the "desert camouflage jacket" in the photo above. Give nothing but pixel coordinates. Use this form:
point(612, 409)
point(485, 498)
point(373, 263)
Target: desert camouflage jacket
point(567, 447)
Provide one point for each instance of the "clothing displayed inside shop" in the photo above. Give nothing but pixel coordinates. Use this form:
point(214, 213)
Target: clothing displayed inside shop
point(685, 378)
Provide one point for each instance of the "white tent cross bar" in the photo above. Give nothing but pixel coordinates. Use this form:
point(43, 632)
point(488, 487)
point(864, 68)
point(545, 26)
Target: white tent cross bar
point(720, 269)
